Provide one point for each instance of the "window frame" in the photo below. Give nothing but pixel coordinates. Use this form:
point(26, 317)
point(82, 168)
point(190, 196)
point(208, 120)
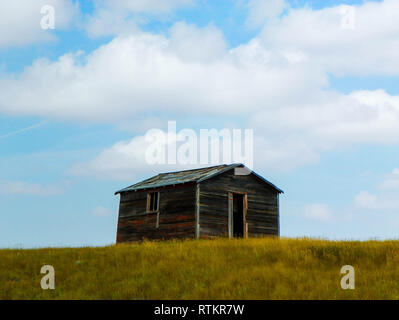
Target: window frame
point(149, 196)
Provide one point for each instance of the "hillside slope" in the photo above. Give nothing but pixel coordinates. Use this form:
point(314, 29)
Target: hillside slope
point(206, 269)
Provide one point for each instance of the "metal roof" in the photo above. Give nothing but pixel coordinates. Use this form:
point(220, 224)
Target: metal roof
point(180, 177)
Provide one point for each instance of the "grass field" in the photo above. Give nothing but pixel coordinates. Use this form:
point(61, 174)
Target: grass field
point(206, 269)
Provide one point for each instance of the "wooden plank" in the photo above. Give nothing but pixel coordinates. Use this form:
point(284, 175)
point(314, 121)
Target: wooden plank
point(245, 207)
point(197, 211)
point(261, 204)
point(230, 212)
point(174, 219)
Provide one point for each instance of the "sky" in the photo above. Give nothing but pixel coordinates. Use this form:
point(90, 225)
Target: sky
point(316, 81)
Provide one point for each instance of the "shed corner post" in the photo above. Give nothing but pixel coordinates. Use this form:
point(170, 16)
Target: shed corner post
point(245, 205)
point(117, 223)
point(197, 211)
point(230, 215)
point(278, 215)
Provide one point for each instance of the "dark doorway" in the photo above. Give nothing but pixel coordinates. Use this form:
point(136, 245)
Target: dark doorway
point(238, 215)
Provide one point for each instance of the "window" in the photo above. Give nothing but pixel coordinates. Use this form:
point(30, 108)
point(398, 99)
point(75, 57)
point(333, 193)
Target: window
point(153, 202)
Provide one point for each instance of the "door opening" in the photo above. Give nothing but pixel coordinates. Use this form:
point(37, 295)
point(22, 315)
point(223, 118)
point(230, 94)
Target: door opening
point(238, 215)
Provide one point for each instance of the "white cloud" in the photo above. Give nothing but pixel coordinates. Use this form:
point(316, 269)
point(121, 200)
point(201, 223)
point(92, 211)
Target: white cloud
point(366, 200)
point(281, 152)
point(24, 188)
point(127, 160)
point(101, 212)
point(278, 81)
point(384, 199)
point(152, 73)
point(107, 22)
point(391, 181)
point(259, 11)
point(150, 6)
point(184, 43)
point(115, 17)
point(317, 211)
point(124, 160)
point(20, 20)
point(369, 49)
point(382, 202)
point(334, 119)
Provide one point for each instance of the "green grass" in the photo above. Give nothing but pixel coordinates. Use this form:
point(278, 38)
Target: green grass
point(206, 269)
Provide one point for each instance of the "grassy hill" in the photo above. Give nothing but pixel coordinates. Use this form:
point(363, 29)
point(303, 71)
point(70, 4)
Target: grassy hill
point(206, 269)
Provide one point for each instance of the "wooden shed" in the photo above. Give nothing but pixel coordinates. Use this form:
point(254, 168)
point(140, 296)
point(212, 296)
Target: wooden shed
point(219, 201)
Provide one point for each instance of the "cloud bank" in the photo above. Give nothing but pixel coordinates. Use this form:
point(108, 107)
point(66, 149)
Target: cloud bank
point(277, 83)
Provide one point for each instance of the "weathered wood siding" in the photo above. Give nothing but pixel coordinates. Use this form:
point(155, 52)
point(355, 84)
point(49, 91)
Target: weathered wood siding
point(262, 215)
point(176, 215)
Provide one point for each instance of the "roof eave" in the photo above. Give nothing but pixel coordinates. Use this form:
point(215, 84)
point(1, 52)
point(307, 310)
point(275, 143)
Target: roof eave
point(154, 187)
point(227, 168)
point(268, 182)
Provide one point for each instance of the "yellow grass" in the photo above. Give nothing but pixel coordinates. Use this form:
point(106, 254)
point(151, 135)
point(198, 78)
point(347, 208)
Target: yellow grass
point(206, 269)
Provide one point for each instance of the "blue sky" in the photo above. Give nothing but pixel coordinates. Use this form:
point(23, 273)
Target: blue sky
point(77, 101)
